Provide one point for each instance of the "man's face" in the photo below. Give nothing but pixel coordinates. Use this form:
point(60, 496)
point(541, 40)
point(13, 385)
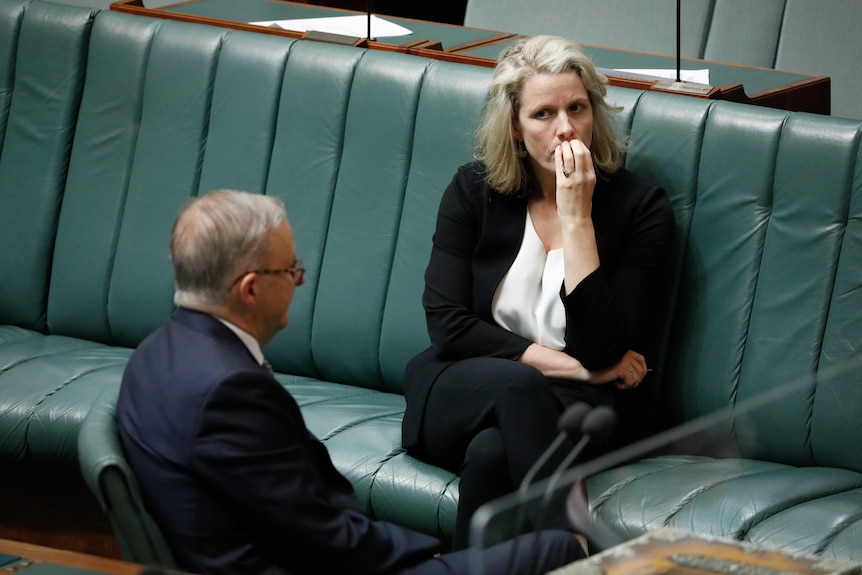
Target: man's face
point(275, 291)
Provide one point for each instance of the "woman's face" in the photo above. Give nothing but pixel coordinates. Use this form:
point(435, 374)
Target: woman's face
point(555, 108)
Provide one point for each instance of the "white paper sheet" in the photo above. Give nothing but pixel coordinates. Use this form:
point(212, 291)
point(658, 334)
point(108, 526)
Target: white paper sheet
point(356, 26)
point(698, 76)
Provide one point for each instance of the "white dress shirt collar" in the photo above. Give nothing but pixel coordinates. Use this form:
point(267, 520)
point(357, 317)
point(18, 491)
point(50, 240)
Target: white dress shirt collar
point(250, 342)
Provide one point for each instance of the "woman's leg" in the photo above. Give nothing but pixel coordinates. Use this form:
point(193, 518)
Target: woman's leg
point(471, 396)
point(569, 393)
point(484, 477)
point(478, 393)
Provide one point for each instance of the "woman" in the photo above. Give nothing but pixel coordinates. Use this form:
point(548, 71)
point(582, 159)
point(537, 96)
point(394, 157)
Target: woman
point(544, 275)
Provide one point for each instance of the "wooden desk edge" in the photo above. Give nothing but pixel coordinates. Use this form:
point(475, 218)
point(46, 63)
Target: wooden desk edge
point(69, 558)
point(669, 550)
point(137, 7)
point(812, 94)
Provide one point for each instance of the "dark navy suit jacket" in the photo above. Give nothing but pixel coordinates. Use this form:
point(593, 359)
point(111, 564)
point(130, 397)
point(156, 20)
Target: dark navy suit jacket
point(229, 470)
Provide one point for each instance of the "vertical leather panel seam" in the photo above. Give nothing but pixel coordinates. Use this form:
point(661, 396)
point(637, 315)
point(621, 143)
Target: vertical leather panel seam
point(121, 208)
point(314, 299)
point(407, 173)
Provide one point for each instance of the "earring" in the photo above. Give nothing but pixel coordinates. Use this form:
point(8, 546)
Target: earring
point(521, 151)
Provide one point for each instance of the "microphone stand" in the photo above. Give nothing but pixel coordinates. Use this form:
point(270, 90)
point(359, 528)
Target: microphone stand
point(678, 86)
point(596, 425)
point(678, 36)
point(368, 16)
point(569, 424)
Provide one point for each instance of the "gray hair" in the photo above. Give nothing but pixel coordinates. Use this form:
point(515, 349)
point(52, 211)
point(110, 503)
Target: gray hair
point(217, 236)
point(529, 57)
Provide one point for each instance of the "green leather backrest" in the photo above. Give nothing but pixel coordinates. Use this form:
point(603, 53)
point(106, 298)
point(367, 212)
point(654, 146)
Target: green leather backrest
point(11, 14)
point(42, 62)
point(170, 111)
point(670, 155)
point(449, 109)
point(837, 403)
point(767, 208)
point(823, 37)
point(169, 150)
point(96, 188)
point(365, 216)
point(644, 25)
point(745, 32)
point(320, 81)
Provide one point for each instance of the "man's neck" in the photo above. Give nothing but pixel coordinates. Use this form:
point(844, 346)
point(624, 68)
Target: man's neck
point(228, 315)
point(246, 338)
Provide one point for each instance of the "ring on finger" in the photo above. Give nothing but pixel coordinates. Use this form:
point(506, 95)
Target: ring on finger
point(567, 172)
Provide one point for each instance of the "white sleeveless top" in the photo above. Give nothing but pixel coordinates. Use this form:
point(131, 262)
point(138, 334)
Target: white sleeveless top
point(527, 301)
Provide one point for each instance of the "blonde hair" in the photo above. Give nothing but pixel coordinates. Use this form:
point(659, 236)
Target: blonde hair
point(495, 143)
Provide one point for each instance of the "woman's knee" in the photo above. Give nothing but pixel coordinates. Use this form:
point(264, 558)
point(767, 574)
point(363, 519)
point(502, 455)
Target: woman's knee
point(487, 452)
point(527, 387)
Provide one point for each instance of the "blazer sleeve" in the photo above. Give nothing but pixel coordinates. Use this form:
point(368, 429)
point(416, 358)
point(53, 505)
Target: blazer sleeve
point(456, 330)
point(254, 450)
point(614, 309)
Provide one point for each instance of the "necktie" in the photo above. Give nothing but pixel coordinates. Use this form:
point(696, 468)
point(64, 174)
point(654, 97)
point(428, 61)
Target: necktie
point(267, 366)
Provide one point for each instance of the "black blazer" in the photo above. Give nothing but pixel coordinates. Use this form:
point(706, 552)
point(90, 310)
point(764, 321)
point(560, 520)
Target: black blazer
point(477, 238)
point(229, 470)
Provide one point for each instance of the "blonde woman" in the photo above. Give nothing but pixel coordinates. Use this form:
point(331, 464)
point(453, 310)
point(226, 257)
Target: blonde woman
point(546, 267)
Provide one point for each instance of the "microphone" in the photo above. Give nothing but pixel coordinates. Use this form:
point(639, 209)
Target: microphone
point(679, 86)
point(569, 425)
point(596, 425)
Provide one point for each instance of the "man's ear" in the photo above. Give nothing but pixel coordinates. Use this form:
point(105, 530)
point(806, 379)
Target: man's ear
point(246, 288)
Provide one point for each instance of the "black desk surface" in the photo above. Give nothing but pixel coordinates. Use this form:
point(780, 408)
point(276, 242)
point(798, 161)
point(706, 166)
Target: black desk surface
point(262, 10)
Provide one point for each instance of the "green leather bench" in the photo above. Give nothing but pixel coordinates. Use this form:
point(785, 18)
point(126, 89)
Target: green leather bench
point(109, 122)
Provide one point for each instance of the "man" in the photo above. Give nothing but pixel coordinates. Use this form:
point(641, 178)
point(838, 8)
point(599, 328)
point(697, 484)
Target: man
point(227, 467)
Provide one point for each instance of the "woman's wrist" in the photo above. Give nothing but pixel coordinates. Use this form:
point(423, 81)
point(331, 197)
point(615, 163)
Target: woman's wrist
point(555, 364)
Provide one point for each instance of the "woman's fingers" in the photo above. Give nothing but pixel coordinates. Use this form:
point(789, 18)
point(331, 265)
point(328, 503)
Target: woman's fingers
point(632, 370)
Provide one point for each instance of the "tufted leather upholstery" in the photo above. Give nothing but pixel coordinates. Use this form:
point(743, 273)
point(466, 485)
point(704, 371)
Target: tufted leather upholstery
point(109, 122)
point(768, 208)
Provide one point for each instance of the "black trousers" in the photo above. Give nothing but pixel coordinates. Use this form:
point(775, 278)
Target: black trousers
point(534, 553)
point(489, 419)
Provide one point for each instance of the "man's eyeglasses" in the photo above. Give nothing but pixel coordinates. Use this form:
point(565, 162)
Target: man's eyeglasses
point(296, 272)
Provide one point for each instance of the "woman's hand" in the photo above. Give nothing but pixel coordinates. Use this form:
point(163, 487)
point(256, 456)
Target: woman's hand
point(628, 373)
point(576, 180)
point(574, 198)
